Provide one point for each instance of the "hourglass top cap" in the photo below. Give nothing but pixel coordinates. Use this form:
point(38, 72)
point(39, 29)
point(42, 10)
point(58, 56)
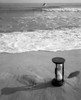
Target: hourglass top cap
point(58, 60)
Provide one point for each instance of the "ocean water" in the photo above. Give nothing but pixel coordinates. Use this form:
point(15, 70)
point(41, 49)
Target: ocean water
point(50, 29)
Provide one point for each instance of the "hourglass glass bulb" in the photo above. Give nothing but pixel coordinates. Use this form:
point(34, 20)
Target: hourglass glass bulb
point(59, 72)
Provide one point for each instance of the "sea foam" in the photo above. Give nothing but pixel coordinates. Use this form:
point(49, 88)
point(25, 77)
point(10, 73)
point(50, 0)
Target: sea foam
point(50, 40)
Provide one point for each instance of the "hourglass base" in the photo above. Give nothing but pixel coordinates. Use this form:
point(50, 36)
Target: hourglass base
point(57, 83)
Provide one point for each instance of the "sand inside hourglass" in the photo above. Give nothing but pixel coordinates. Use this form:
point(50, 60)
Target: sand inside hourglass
point(59, 71)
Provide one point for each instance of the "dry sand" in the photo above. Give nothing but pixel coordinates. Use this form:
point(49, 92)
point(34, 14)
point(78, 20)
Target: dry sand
point(38, 67)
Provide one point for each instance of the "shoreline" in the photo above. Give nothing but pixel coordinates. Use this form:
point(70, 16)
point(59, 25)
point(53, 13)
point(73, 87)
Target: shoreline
point(32, 51)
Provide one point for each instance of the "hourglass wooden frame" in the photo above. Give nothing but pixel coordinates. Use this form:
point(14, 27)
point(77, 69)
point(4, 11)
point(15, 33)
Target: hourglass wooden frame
point(58, 60)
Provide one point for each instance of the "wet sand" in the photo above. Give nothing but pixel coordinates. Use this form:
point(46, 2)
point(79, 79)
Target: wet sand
point(37, 67)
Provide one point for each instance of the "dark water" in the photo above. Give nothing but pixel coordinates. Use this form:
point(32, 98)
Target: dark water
point(12, 21)
point(29, 18)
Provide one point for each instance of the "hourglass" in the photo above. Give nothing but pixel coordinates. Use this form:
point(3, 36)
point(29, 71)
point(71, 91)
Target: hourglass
point(59, 71)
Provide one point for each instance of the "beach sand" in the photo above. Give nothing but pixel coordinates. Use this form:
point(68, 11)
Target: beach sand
point(38, 65)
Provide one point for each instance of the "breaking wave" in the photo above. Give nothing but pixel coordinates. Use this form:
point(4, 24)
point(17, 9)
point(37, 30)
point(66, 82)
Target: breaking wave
point(50, 40)
point(73, 9)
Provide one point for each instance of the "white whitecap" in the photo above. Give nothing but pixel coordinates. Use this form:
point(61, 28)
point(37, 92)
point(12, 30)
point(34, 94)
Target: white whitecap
point(50, 40)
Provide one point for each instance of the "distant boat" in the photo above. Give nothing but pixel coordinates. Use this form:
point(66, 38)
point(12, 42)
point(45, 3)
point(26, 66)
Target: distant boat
point(44, 5)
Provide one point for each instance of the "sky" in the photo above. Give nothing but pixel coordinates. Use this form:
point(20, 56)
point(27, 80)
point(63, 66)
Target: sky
point(40, 1)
